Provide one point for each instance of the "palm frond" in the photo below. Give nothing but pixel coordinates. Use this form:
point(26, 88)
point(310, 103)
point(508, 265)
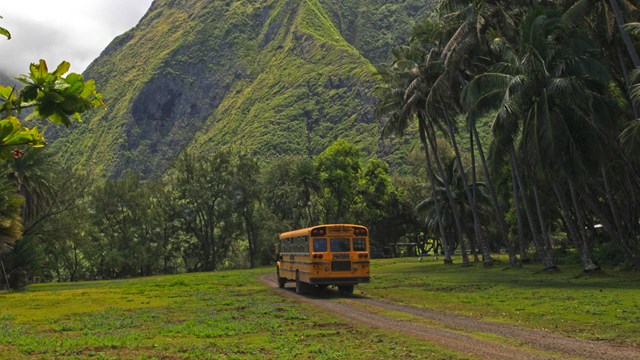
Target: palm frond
point(630, 137)
point(633, 28)
point(634, 90)
point(577, 12)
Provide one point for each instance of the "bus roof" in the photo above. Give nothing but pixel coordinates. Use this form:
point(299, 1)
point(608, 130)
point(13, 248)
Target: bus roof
point(307, 231)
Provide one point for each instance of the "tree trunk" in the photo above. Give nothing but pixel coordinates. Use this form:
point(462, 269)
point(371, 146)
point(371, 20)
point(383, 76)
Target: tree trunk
point(445, 242)
point(610, 202)
point(580, 240)
point(486, 257)
point(613, 233)
point(474, 192)
point(624, 35)
point(454, 208)
point(524, 257)
point(502, 224)
point(625, 88)
point(542, 255)
point(543, 227)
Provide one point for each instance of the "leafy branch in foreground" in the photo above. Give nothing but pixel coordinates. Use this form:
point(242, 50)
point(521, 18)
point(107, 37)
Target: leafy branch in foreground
point(51, 95)
point(5, 32)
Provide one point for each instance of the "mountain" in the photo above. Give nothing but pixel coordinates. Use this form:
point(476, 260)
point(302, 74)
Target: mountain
point(9, 80)
point(272, 76)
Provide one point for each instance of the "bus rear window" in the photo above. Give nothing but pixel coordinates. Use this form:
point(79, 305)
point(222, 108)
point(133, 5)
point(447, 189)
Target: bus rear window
point(340, 245)
point(319, 245)
point(359, 244)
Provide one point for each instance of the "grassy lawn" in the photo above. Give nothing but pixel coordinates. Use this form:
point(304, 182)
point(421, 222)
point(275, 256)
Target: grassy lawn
point(605, 306)
point(232, 315)
point(228, 315)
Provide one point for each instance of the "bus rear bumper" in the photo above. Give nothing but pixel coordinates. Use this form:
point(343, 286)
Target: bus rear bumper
point(339, 281)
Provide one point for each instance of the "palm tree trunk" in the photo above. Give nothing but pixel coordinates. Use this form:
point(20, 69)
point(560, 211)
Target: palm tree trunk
point(502, 224)
point(542, 255)
point(445, 243)
point(610, 201)
point(516, 204)
point(543, 227)
point(580, 239)
point(454, 208)
point(486, 257)
point(624, 35)
point(474, 190)
point(613, 233)
point(625, 73)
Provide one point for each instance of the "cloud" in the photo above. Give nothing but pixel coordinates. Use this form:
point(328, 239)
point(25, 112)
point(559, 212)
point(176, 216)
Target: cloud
point(72, 30)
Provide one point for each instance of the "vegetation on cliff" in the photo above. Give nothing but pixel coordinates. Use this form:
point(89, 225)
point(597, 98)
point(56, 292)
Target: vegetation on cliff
point(275, 76)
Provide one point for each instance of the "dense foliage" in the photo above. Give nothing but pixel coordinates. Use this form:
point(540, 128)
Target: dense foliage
point(216, 210)
point(50, 96)
point(560, 171)
point(555, 176)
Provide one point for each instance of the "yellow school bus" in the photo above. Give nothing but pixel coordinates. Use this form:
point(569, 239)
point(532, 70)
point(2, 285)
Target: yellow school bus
point(324, 255)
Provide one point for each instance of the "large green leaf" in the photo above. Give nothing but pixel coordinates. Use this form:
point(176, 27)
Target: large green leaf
point(12, 133)
point(62, 68)
point(5, 32)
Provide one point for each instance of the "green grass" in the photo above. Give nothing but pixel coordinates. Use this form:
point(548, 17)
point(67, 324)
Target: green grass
point(232, 315)
point(597, 307)
point(227, 315)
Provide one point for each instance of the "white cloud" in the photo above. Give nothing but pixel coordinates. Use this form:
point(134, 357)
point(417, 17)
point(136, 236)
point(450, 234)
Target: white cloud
point(72, 30)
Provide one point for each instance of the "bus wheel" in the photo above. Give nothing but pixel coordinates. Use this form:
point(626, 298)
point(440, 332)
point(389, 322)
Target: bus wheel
point(281, 280)
point(299, 284)
point(346, 290)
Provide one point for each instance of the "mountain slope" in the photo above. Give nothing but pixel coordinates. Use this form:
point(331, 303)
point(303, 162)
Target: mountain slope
point(274, 76)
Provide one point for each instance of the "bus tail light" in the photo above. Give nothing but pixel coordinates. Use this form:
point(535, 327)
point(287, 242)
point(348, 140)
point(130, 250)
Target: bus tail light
point(365, 256)
point(360, 232)
point(317, 256)
point(319, 231)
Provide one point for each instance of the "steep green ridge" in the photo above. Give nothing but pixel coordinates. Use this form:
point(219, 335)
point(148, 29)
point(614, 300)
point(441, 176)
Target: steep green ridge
point(274, 76)
point(374, 27)
point(312, 88)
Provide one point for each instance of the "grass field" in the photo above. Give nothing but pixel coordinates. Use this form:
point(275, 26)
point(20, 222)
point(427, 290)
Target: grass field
point(232, 315)
point(598, 307)
point(228, 315)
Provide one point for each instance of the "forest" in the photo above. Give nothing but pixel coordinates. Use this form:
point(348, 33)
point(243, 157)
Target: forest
point(526, 124)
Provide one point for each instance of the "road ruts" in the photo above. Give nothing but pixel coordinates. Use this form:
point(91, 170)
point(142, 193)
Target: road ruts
point(452, 331)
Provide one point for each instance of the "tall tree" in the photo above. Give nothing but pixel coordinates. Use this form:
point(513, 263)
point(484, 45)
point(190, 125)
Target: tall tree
point(203, 187)
point(339, 168)
point(246, 201)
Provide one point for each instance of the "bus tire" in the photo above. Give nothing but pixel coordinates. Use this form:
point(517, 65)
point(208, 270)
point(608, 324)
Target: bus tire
point(300, 288)
point(281, 280)
point(346, 290)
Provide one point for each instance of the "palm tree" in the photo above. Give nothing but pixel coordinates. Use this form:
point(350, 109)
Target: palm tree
point(550, 64)
point(465, 47)
point(606, 19)
point(305, 177)
point(402, 96)
point(10, 210)
point(32, 174)
point(454, 184)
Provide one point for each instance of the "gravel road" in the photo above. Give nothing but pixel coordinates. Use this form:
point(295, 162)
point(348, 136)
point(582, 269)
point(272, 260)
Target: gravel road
point(455, 332)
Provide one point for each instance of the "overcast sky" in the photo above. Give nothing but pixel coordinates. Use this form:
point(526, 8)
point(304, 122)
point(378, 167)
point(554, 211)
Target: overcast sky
point(56, 30)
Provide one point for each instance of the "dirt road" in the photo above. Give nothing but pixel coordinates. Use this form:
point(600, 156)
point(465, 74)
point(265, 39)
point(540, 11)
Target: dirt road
point(456, 332)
